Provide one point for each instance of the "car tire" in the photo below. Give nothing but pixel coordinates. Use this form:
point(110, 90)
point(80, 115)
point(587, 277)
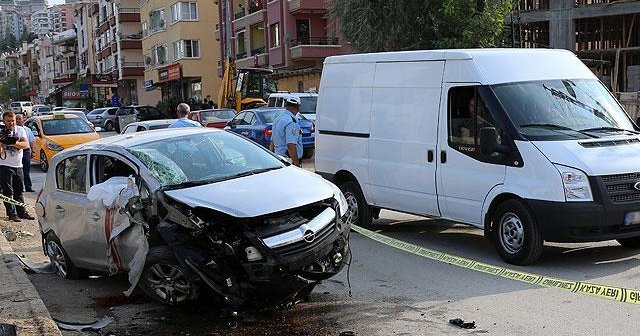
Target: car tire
point(308, 154)
point(60, 259)
point(165, 280)
point(633, 242)
point(108, 126)
point(359, 212)
point(516, 235)
point(44, 164)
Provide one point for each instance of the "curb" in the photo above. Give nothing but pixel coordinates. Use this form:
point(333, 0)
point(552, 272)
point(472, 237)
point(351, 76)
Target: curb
point(20, 303)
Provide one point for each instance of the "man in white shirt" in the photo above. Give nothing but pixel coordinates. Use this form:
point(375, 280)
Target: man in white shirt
point(13, 140)
point(183, 111)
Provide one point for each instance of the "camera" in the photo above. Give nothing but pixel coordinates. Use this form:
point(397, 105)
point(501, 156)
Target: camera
point(5, 136)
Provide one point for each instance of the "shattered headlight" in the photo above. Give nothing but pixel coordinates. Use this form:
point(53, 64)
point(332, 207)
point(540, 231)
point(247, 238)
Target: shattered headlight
point(342, 202)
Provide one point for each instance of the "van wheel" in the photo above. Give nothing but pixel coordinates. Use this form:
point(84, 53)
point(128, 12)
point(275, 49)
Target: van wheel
point(633, 242)
point(60, 259)
point(516, 234)
point(359, 212)
point(165, 280)
point(44, 164)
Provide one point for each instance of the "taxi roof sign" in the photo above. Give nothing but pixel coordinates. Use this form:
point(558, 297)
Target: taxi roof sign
point(58, 115)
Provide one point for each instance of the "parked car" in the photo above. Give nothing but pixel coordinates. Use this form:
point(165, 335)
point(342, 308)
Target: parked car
point(217, 118)
point(150, 125)
point(257, 125)
point(22, 107)
point(56, 132)
point(63, 108)
point(76, 113)
point(194, 198)
point(104, 118)
point(529, 154)
point(40, 110)
point(309, 101)
point(128, 114)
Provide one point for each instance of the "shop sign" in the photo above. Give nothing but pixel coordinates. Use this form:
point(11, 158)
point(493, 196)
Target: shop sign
point(148, 84)
point(64, 80)
point(71, 95)
point(84, 90)
point(169, 73)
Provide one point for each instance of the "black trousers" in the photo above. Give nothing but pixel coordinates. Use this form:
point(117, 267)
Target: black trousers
point(26, 169)
point(11, 185)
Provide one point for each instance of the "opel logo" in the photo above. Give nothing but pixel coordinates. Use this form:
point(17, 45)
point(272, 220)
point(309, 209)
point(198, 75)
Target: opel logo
point(309, 236)
point(637, 186)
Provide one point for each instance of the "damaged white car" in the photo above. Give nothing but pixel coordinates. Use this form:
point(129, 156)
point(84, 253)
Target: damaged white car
point(184, 210)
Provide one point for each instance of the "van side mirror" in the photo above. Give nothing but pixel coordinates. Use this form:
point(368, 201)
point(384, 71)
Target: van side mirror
point(489, 143)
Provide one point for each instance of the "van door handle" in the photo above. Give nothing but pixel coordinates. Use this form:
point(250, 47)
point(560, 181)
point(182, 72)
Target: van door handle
point(429, 156)
point(443, 157)
point(59, 208)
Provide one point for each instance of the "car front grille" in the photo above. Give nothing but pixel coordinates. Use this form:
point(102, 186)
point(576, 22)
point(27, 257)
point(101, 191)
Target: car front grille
point(621, 188)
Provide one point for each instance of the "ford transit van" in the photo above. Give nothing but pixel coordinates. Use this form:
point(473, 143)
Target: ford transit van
point(525, 143)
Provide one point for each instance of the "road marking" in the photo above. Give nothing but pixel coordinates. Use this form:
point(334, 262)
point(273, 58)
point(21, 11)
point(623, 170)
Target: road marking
point(600, 291)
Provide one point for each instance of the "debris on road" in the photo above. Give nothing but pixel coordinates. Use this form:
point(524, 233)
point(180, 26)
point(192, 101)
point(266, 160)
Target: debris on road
point(95, 326)
point(462, 324)
point(24, 234)
point(9, 233)
point(30, 266)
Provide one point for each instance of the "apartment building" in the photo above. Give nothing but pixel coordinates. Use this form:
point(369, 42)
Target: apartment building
point(118, 50)
point(45, 52)
point(15, 15)
point(293, 37)
point(65, 67)
point(41, 22)
point(61, 17)
point(29, 69)
point(180, 50)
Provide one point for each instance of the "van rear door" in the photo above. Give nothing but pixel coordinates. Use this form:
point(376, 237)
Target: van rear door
point(404, 119)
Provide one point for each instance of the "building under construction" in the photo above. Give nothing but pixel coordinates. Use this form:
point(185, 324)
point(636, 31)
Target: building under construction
point(603, 33)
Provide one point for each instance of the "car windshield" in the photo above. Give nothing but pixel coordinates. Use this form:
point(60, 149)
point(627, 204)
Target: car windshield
point(308, 105)
point(203, 158)
point(563, 109)
point(65, 126)
point(217, 115)
point(44, 109)
point(98, 111)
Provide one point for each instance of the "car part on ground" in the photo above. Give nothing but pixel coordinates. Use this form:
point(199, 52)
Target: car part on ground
point(94, 326)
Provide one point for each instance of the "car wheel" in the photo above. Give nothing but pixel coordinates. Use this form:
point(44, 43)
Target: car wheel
point(359, 212)
point(59, 258)
point(108, 126)
point(308, 153)
point(516, 235)
point(44, 164)
point(633, 242)
point(165, 280)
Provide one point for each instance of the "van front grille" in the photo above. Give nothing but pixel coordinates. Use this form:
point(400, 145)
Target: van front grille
point(621, 188)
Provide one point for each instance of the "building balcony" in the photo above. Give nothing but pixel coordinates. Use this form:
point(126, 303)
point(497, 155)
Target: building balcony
point(307, 7)
point(114, 47)
point(129, 14)
point(315, 48)
point(254, 61)
point(131, 44)
point(132, 69)
point(103, 27)
point(249, 20)
point(112, 21)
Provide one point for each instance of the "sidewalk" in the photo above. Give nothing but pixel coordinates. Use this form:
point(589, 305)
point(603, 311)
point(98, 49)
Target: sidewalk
point(20, 303)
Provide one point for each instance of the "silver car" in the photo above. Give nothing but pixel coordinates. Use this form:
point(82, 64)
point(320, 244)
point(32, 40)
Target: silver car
point(149, 125)
point(103, 117)
point(186, 209)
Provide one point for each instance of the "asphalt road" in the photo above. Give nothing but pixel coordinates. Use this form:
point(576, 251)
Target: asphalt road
point(393, 293)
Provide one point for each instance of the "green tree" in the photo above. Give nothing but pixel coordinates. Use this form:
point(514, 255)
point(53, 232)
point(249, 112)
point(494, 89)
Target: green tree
point(380, 25)
point(8, 42)
point(7, 95)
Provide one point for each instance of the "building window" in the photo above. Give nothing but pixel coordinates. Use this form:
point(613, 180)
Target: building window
point(242, 51)
point(186, 49)
point(157, 20)
point(182, 11)
point(159, 54)
point(275, 35)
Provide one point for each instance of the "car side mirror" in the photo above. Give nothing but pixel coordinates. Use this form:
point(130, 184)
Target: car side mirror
point(231, 124)
point(489, 143)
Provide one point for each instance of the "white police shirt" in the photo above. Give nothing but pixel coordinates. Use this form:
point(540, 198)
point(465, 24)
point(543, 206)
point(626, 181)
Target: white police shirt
point(13, 155)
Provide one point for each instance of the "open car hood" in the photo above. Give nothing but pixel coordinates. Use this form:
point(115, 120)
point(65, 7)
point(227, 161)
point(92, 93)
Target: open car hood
point(259, 194)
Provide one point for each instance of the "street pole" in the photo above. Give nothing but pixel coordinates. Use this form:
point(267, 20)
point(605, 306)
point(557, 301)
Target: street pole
point(227, 31)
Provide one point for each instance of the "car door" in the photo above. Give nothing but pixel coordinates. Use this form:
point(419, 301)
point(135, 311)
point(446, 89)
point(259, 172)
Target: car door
point(69, 207)
point(465, 175)
point(236, 122)
point(248, 128)
point(38, 143)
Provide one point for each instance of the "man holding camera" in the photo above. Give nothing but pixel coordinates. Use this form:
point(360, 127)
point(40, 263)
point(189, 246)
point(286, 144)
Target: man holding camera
point(13, 141)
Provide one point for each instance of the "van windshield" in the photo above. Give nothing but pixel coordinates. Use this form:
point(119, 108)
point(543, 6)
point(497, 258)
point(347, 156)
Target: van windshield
point(308, 105)
point(563, 109)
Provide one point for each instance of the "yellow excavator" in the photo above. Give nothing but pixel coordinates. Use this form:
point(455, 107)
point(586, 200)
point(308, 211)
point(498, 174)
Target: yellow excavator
point(245, 88)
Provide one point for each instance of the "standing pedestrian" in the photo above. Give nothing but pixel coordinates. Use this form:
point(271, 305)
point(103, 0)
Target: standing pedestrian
point(209, 104)
point(286, 139)
point(183, 111)
point(11, 150)
point(26, 154)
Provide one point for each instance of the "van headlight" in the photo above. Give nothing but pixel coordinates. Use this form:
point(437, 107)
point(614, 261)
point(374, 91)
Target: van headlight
point(576, 184)
point(342, 201)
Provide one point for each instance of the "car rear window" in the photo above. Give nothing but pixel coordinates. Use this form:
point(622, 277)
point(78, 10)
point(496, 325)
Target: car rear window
point(270, 116)
point(217, 115)
point(155, 127)
point(98, 111)
point(65, 126)
point(15, 104)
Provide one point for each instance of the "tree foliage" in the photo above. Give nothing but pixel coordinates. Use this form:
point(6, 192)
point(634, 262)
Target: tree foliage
point(6, 95)
point(381, 25)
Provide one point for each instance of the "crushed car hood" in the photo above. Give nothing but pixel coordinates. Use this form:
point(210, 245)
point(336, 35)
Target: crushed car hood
point(259, 194)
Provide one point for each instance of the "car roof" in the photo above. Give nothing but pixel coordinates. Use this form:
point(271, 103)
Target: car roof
point(295, 94)
point(52, 116)
point(153, 122)
point(213, 110)
point(138, 138)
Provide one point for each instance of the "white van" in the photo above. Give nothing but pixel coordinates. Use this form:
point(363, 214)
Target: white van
point(22, 107)
point(525, 143)
point(308, 100)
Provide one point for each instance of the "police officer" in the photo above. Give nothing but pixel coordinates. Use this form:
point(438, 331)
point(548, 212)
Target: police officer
point(287, 135)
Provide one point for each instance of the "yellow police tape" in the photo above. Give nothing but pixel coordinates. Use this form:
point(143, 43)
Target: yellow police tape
point(10, 200)
point(604, 292)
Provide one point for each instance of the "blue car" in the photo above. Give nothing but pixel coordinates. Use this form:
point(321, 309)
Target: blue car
point(256, 125)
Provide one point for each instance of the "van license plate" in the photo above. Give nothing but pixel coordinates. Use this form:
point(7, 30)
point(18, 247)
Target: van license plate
point(631, 218)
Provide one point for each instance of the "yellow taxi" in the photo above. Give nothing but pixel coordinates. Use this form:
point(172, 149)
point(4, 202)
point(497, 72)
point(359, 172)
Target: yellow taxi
point(56, 132)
